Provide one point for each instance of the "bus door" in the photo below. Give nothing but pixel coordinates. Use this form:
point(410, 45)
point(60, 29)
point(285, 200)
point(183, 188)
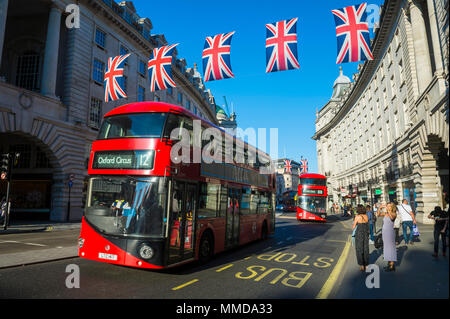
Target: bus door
point(183, 213)
point(233, 208)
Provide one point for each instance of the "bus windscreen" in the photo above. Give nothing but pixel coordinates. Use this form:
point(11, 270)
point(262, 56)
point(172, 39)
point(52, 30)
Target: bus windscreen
point(148, 125)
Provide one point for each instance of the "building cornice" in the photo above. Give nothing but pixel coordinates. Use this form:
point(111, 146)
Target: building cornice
point(388, 19)
point(116, 19)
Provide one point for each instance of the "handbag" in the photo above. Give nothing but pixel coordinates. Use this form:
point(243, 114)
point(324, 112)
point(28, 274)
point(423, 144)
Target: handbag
point(378, 241)
point(415, 230)
point(354, 234)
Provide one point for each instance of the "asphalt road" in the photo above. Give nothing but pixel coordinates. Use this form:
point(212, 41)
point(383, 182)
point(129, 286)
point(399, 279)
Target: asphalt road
point(295, 262)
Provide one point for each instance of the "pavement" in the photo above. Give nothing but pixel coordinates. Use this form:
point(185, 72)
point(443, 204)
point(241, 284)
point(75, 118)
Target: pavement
point(31, 242)
point(17, 227)
point(417, 275)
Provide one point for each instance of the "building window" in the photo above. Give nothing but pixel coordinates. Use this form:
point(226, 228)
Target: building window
point(141, 94)
point(100, 38)
point(98, 71)
point(27, 76)
point(141, 68)
point(188, 105)
point(95, 113)
point(124, 51)
point(25, 154)
point(42, 160)
point(156, 98)
point(169, 91)
point(180, 98)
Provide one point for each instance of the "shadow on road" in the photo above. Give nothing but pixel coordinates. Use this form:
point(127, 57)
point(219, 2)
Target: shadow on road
point(296, 233)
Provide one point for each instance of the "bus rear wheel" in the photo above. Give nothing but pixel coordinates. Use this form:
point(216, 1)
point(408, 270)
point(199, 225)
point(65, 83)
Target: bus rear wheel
point(206, 248)
point(264, 231)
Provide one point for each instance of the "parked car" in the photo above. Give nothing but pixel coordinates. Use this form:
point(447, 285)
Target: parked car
point(279, 207)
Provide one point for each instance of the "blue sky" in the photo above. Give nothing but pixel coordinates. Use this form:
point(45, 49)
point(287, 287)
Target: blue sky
point(285, 100)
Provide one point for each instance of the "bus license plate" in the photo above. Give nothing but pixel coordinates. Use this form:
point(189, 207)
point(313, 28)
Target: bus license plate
point(107, 256)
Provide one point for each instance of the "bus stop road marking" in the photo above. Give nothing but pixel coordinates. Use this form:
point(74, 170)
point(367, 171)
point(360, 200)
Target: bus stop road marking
point(287, 217)
point(223, 268)
point(331, 281)
point(185, 284)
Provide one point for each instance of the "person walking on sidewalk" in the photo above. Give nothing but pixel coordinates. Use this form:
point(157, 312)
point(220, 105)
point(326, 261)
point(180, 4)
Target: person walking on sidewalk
point(397, 224)
point(408, 220)
point(361, 231)
point(389, 250)
point(440, 227)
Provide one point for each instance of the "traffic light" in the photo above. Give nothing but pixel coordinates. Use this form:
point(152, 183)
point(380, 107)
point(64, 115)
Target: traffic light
point(5, 167)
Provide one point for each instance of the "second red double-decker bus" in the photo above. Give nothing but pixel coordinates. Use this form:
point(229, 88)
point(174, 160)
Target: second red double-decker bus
point(146, 208)
point(289, 203)
point(312, 197)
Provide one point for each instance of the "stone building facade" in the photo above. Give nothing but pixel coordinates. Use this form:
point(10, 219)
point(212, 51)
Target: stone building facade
point(52, 94)
point(385, 135)
point(286, 181)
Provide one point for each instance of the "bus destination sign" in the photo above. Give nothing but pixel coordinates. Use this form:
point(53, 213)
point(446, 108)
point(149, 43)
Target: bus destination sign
point(123, 160)
point(312, 191)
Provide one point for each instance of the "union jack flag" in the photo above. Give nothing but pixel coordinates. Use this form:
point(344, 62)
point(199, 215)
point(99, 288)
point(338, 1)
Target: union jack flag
point(113, 90)
point(303, 166)
point(287, 166)
point(160, 68)
point(216, 57)
point(281, 46)
point(352, 32)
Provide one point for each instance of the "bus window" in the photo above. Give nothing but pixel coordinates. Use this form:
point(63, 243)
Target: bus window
point(132, 125)
point(208, 200)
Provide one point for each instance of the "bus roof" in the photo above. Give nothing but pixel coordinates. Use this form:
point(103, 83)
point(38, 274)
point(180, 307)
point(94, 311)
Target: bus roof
point(150, 106)
point(312, 175)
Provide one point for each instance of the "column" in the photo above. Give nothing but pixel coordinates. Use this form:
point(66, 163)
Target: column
point(421, 51)
point(50, 68)
point(3, 16)
point(428, 188)
point(434, 27)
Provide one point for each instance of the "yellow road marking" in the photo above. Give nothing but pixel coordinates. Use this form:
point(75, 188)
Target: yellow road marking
point(223, 268)
point(345, 225)
point(287, 217)
point(186, 284)
point(331, 281)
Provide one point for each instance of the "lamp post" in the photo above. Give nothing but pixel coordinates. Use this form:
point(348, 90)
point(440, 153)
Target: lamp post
point(70, 184)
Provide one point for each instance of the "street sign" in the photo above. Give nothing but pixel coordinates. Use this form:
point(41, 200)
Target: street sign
point(70, 184)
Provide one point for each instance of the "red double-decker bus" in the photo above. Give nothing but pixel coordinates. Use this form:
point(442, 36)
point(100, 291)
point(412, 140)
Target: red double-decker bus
point(289, 203)
point(146, 209)
point(312, 197)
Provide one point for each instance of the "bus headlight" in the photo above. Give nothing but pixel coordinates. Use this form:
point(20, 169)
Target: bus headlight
point(145, 251)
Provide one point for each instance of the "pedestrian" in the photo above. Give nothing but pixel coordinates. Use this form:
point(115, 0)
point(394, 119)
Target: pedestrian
point(408, 220)
point(361, 234)
point(370, 215)
point(397, 224)
point(440, 227)
point(389, 213)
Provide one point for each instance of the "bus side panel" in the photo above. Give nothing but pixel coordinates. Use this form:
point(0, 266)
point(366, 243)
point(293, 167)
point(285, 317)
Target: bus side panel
point(249, 228)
